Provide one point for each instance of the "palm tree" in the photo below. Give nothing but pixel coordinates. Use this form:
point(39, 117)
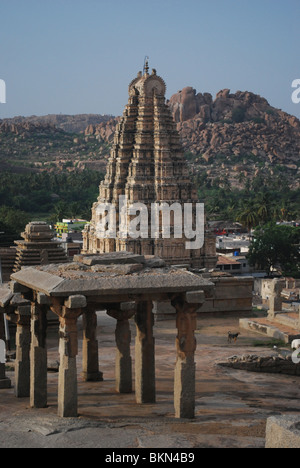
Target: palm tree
point(265, 207)
point(231, 210)
point(248, 215)
point(60, 210)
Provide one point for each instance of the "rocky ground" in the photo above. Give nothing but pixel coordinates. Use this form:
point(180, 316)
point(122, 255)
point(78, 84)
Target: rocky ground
point(69, 123)
point(231, 406)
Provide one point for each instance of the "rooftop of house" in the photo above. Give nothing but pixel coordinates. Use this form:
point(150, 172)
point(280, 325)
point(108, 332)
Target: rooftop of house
point(222, 260)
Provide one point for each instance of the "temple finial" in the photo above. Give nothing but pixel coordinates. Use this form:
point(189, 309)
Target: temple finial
point(146, 65)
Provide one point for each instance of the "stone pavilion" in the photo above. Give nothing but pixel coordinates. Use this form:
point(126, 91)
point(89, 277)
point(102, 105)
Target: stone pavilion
point(123, 284)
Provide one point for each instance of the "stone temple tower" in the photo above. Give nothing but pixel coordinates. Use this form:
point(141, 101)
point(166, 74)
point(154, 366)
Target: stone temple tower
point(147, 166)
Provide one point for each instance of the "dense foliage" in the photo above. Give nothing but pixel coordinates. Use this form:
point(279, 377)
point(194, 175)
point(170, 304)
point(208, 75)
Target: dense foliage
point(52, 196)
point(258, 202)
point(276, 247)
point(47, 196)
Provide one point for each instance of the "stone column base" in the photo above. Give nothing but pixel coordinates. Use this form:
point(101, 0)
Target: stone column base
point(67, 388)
point(92, 376)
point(184, 388)
point(4, 381)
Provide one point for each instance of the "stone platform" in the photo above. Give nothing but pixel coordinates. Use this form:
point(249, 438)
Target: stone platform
point(277, 329)
point(279, 324)
point(232, 406)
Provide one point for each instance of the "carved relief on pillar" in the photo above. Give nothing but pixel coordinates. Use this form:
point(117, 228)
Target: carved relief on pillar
point(68, 332)
point(68, 350)
point(186, 323)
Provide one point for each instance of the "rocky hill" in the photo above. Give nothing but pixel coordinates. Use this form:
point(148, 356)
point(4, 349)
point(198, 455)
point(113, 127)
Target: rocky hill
point(69, 123)
point(233, 136)
point(105, 130)
point(238, 135)
point(27, 146)
point(237, 123)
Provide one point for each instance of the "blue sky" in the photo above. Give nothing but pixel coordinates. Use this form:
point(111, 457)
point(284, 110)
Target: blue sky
point(78, 56)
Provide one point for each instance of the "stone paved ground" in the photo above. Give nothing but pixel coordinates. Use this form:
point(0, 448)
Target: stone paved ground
point(231, 408)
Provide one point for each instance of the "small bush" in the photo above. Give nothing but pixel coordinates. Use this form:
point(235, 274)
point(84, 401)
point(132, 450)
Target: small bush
point(238, 114)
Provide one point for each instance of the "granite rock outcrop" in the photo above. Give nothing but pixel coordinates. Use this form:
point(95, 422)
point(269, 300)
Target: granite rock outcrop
point(242, 129)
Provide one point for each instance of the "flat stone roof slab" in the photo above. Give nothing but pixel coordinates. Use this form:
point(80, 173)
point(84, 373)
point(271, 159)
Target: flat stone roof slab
point(5, 296)
point(56, 280)
point(116, 258)
point(38, 280)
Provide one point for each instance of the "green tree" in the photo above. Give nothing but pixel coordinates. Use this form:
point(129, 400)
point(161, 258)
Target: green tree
point(247, 214)
point(61, 210)
point(276, 247)
point(265, 207)
point(12, 221)
point(238, 114)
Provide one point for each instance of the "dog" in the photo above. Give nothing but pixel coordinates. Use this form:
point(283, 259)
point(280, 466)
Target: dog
point(232, 337)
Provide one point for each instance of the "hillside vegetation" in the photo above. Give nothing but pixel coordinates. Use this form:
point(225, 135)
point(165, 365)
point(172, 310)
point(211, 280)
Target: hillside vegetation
point(27, 147)
point(243, 155)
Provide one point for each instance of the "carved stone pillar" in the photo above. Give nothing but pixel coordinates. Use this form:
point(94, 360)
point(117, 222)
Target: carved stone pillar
point(38, 356)
point(4, 381)
point(90, 359)
point(68, 314)
point(185, 369)
point(275, 301)
point(67, 381)
point(22, 363)
point(145, 354)
point(123, 340)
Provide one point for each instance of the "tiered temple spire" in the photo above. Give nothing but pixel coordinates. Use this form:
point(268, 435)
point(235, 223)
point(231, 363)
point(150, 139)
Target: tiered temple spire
point(38, 247)
point(147, 165)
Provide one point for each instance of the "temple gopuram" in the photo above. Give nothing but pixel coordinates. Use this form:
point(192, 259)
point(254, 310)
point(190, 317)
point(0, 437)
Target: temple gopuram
point(147, 166)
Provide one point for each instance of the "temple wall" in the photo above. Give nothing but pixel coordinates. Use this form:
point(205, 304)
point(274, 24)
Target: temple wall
point(231, 295)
